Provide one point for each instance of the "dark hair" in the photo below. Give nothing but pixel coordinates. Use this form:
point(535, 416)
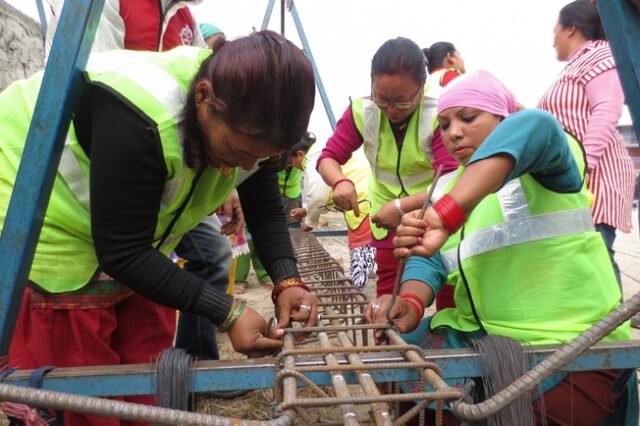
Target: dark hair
point(585, 17)
point(219, 42)
point(305, 143)
point(263, 85)
point(436, 54)
point(399, 55)
point(280, 163)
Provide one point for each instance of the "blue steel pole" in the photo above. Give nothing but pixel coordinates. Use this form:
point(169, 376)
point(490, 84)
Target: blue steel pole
point(43, 19)
point(267, 15)
point(307, 50)
point(58, 96)
point(260, 373)
point(621, 22)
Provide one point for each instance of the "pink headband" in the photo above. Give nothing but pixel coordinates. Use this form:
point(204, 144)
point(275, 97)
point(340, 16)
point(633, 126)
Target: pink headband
point(479, 90)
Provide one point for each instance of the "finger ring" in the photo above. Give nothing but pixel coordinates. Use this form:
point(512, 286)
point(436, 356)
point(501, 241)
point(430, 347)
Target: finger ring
point(307, 307)
point(375, 306)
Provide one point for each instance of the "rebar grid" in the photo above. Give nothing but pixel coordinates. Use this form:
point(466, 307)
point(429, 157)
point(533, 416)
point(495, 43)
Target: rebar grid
point(341, 311)
point(349, 353)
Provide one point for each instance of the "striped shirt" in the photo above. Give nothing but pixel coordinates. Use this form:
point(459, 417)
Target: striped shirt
point(612, 177)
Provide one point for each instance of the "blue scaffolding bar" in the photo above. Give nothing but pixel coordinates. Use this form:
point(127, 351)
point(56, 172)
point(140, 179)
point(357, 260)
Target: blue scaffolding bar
point(307, 50)
point(621, 21)
point(261, 373)
point(56, 101)
point(43, 19)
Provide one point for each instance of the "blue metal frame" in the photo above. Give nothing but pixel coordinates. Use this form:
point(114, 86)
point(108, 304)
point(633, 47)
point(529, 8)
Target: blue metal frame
point(267, 15)
point(261, 373)
point(56, 101)
point(307, 51)
point(330, 233)
point(621, 22)
point(43, 19)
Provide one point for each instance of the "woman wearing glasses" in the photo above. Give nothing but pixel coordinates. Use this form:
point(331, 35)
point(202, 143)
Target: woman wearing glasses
point(395, 125)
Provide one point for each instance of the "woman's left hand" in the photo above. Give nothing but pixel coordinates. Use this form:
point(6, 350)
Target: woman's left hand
point(297, 304)
point(404, 317)
point(420, 237)
point(233, 216)
point(387, 217)
point(252, 336)
point(298, 213)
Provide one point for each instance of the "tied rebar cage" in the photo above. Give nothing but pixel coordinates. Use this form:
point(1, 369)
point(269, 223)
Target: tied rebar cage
point(345, 345)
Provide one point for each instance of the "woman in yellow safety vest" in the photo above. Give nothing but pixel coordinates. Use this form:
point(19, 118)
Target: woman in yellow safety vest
point(514, 232)
point(396, 127)
point(290, 178)
point(155, 146)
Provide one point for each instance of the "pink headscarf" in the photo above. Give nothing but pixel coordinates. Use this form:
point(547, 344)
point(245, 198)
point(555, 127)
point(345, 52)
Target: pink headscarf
point(479, 90)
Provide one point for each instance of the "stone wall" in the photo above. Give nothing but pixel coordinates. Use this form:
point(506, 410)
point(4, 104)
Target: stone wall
point(21, 45)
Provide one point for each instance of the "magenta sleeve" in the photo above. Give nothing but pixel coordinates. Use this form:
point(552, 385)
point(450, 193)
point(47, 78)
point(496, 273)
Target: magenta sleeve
point(344, 140)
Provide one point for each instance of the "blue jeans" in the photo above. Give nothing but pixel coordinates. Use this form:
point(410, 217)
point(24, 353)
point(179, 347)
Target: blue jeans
point(608, 233)
point(208, 255)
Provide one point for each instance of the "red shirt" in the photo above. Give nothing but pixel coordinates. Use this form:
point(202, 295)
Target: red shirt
point(143, 26)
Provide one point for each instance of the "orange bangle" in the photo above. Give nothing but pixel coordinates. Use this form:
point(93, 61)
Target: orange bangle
point(285, 284)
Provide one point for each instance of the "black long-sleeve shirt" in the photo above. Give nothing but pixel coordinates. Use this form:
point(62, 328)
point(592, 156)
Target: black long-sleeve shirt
point(127, 179)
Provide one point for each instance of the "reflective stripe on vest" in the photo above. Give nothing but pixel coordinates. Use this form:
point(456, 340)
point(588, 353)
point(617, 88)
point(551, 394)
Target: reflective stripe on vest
point(519, 231)
point(73, 175)
point(519, 227)
point(371, 139)
point(148, 76)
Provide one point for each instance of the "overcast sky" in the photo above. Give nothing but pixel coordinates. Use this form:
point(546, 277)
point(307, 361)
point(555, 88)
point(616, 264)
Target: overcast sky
point(511, 39)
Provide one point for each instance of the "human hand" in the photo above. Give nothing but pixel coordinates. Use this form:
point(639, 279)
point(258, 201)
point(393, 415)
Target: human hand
point(297, 304)
point(233, 216)
point(404, 318)
point(421, 237)
point(305, 228)
point(387, 217)
point(298, 213)
point(344, 196)
point(251, 335)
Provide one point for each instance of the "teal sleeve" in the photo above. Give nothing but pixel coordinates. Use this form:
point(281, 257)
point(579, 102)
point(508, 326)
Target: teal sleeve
point(429, 270)
point(539, 147)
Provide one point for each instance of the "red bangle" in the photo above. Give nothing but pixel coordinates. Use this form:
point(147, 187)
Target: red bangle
point(339, 181)
point(450, 213)
point(415, 303)
point(285, 284)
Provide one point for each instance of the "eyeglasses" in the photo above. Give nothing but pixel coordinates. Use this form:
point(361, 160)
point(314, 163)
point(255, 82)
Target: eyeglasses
point(383, 103)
